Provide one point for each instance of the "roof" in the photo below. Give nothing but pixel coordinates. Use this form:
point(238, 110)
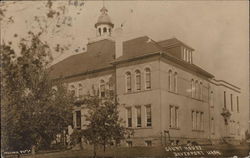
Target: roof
point(138, 46)
point(104, 18)
point(172, 42)
point(100, 55)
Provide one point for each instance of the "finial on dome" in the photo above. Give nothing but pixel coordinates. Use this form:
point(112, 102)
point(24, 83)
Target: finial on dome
point(104, 10)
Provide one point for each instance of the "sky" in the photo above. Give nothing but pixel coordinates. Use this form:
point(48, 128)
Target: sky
point(217, 30)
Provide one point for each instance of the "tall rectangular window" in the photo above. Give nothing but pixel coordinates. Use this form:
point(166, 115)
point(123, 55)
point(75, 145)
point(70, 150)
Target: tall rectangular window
point(201, 121)
point(238, 104)
point(197, 120)
point(176, 121)
point(169, 80)
point(148, 116)
point(174, 116)
point(225, 100)
point(138, 115)
point(78, 119)
point(211, 99)
point(184, 54)
point(102, 88)
point(129, 117)
point(171, 115)
point(193, 120)
point(212, 125)
point(231, 99)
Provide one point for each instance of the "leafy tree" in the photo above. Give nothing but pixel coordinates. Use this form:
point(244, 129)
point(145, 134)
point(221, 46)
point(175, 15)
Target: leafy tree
point(32, 111)
point(103, 124)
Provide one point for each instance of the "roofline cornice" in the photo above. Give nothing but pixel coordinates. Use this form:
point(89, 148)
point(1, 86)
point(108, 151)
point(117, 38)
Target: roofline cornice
point(84, 73)
point(135, 58)
point(225, 84)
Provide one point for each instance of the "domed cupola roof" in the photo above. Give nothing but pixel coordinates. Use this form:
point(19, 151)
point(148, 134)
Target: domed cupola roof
point(104, 18)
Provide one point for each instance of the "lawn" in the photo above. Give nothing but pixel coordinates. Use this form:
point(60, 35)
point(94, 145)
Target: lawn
point(124, 152)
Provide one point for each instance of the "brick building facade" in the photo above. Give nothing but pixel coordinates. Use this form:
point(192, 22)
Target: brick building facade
point(164, 97)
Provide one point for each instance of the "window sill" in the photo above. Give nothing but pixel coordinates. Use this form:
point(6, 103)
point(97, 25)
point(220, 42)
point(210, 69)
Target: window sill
point(173, 92)
point(176, 93)
point(198, 99)
point(174, 128)
point(138, 128)
point(139, 91)
point(197, 130)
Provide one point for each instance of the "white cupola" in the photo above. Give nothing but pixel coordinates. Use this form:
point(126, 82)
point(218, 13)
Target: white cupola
point(104, 24)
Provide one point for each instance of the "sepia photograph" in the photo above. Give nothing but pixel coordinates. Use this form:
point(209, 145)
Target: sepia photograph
point(125, 79)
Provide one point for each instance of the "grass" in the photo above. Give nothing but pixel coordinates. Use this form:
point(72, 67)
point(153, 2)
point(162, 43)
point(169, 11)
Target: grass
point(124, 152)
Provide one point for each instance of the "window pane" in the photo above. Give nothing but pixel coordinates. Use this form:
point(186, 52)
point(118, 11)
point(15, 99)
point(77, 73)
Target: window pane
point(169, 80)
point(148, 79)
point(78, 119)
point(238, 106)
point(148, 113)
point(193, 119)
point(128, 81)
point(129, 115)
point(138, 113)
point(102, 88)
point(176, 117)
point(225, 100)
point(138, 80)
point(201, 121)
point(197, 120)
point(175, 82)
point(231, 102)
point(192, 88)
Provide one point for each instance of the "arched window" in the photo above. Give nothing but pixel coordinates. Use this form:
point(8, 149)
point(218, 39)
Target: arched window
point(201, 89)
point(196, 89)
point(80, 91)
point(104, 30)
point(148, 78)
point(128, 82)
point(102, 88)
point(73, 90)
point(109, 31)
point(175, 82)
point(169, 80)
point(100, 31)
point(138, 80)
point(192, 88)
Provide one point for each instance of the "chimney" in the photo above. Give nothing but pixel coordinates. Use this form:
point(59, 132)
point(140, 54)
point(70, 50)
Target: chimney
point(118, 42)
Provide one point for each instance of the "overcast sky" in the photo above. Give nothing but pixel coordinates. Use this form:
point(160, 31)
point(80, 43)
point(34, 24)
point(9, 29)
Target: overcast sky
point(217, 30)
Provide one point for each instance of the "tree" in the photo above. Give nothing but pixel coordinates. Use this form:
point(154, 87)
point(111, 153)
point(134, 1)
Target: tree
point(103, 124)
point(32, 111)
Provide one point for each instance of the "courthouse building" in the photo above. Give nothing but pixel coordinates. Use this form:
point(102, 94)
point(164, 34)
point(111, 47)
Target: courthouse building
point(164, 96)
